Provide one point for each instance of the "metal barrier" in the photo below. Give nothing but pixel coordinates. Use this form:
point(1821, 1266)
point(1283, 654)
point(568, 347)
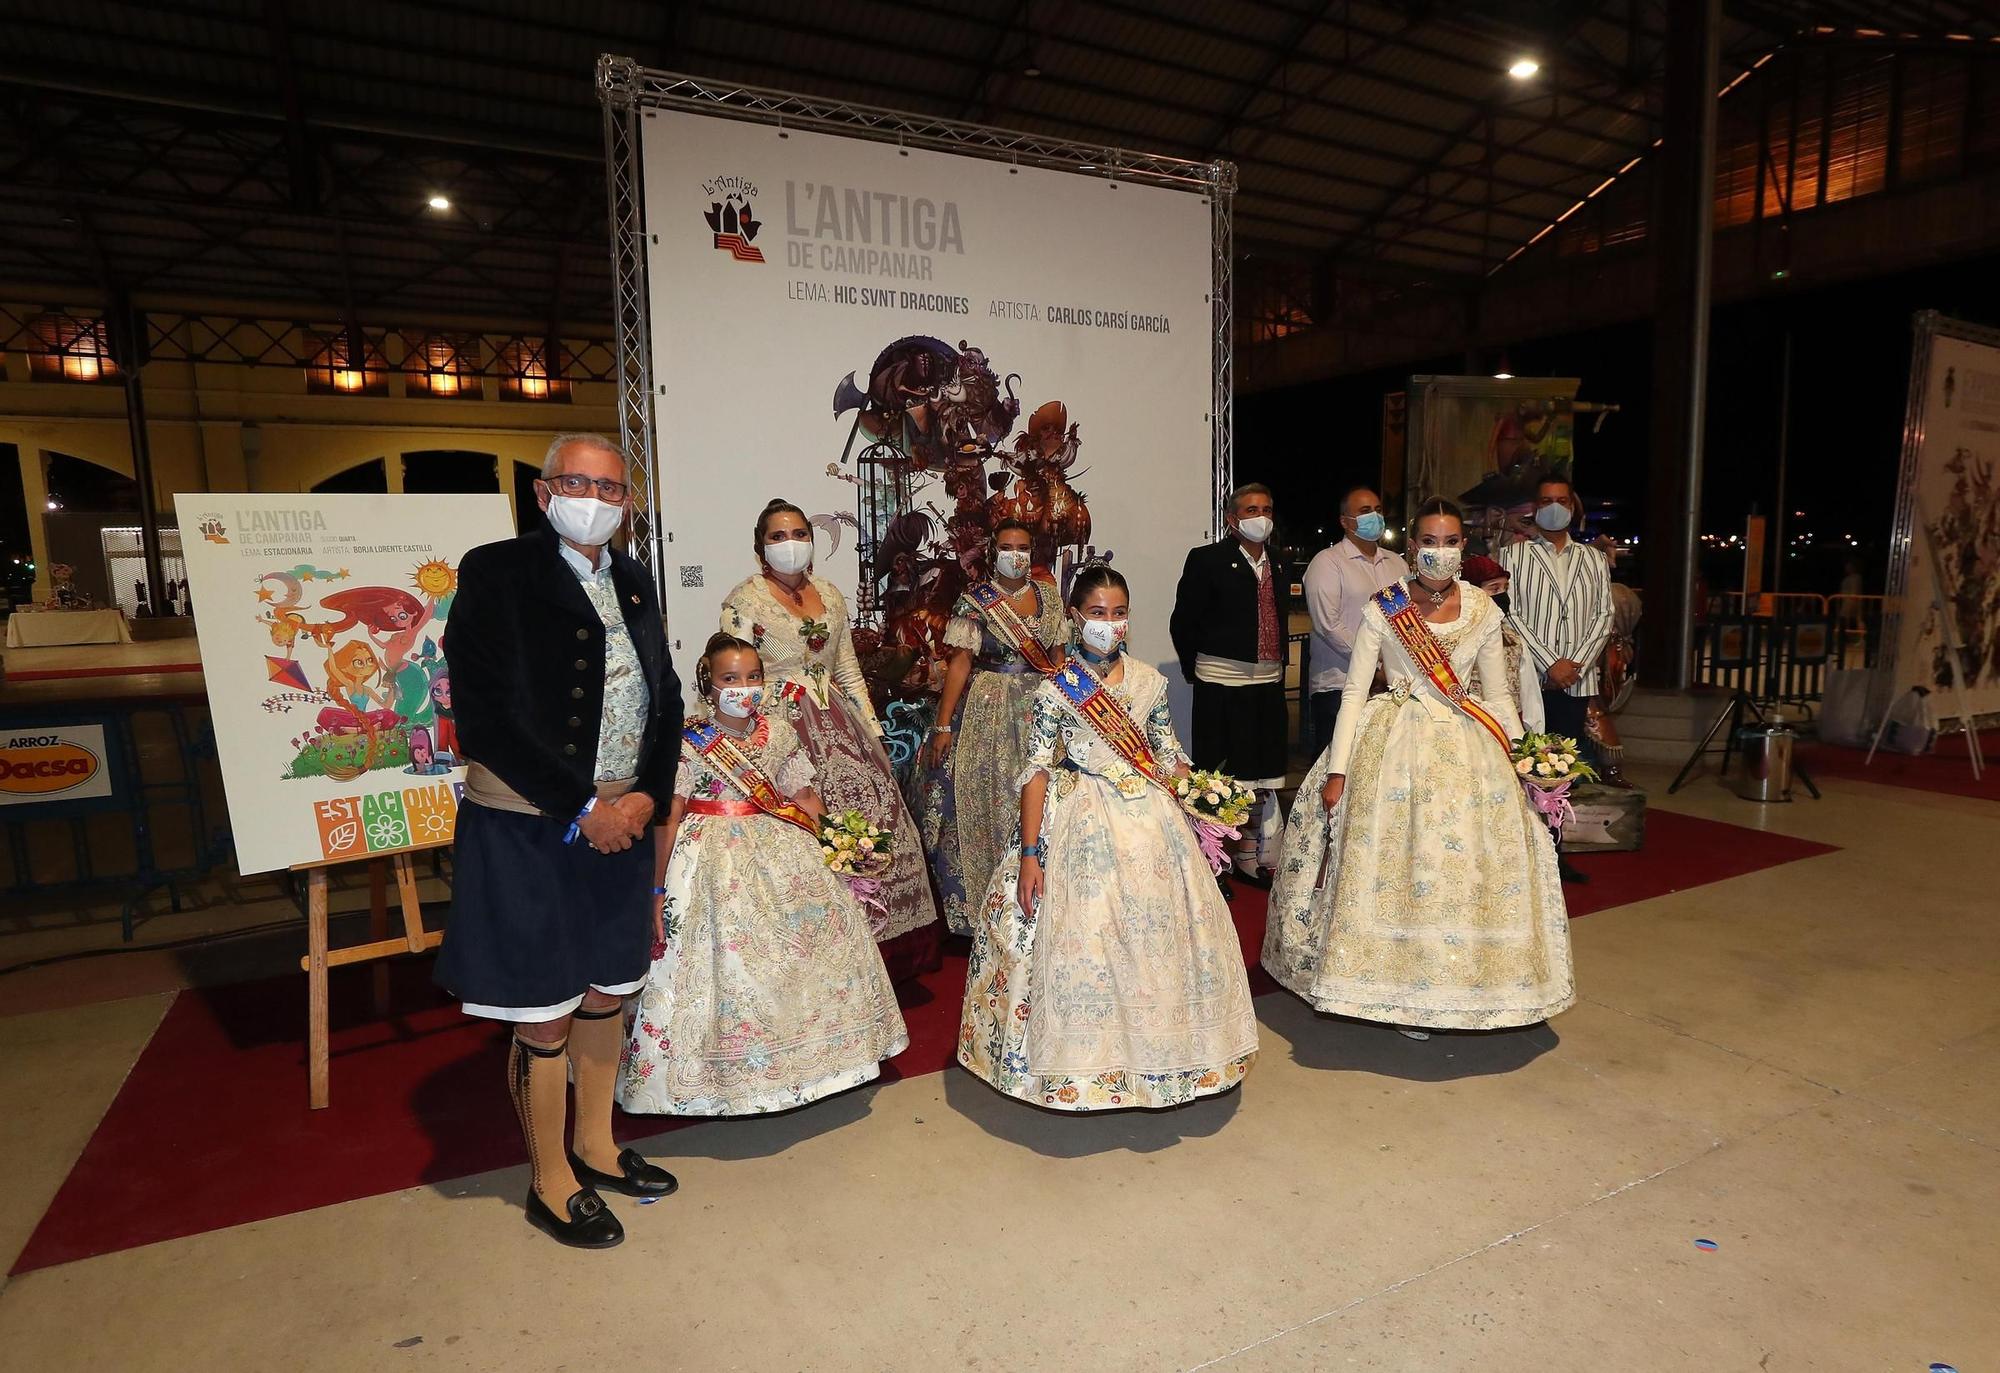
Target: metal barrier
point(1783, 658)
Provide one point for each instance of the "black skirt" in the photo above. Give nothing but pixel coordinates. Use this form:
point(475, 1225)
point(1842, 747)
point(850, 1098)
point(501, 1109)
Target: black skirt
point(535, 921)
point(1240, 729)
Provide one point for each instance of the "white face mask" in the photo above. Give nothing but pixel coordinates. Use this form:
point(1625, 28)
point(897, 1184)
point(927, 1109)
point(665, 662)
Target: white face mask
point(1103, 637)
point(737, 702)
point(789, 555)
point(1256, 529)
point(1439, 564)
point(584, 519)
point(1011, 562)
point(1553, 518)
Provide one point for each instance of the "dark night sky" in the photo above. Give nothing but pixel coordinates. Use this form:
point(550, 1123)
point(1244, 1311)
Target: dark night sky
point(1850, 375)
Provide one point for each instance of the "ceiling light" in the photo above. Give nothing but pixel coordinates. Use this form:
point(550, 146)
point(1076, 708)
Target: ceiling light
point(439, 202)
point(1031, 70)
point(1523, 68)
point(1503, 376)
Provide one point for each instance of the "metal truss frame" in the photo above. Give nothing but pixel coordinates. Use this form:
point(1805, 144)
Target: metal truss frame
point(626, 89)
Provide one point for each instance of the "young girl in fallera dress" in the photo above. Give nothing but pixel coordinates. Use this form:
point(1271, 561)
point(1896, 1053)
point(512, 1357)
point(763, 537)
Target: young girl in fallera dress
point(766, 991)
point(1004, 637)
point(1421, 889)
point(1105, 969)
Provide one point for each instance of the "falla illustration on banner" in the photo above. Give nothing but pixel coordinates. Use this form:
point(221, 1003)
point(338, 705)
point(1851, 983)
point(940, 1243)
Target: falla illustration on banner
point(731, 219)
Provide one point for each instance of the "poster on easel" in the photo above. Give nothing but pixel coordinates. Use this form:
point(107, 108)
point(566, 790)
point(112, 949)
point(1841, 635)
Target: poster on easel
point(321, 620)
point(1948, 502)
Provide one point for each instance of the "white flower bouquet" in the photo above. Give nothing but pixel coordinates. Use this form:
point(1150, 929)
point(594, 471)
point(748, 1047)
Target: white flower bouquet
point(1219, 806)
point(1548, 764)
point(1216, 796)
point(853, 845)
point(1549, 761)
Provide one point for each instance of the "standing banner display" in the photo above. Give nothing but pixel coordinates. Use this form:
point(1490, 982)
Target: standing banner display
point(1948, 504)
point(913, 345)
point(321, 620)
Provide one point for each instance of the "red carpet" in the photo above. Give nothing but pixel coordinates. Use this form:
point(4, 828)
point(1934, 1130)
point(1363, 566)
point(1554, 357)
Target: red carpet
point(1948, 770)
point(211, 1129)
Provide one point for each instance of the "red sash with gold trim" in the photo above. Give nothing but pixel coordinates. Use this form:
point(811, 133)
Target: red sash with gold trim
point(725, 758)
point(1113, 723)
point(1011, 628)
point(1413, 632)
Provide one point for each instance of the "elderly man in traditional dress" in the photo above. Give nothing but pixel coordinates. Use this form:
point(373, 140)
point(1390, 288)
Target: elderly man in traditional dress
point(1228, 630)
point(569, 713)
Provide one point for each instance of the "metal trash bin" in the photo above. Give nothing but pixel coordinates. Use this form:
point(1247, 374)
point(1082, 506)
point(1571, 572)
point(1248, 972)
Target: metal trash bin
point(1767, 763)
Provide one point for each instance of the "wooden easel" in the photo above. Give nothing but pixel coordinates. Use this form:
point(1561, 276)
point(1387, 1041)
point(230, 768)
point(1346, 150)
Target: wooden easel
point(414, 939)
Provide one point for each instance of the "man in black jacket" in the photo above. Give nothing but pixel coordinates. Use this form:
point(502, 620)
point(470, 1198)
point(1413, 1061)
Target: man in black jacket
point(1228, 629)
point(569, 714)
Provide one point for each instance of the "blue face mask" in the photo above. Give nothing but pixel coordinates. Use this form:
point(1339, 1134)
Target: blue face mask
point(1368, 527)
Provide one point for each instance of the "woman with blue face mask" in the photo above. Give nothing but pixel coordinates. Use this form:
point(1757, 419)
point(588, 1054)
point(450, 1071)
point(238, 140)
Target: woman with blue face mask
point(1106, 972)
point(1421, 889)
point(766, 990)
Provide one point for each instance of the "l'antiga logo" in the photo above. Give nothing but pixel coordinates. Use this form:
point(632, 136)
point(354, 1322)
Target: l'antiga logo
point(730, 217)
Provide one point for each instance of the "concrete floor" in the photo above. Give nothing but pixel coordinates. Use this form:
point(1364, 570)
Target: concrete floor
point(1792, 1063)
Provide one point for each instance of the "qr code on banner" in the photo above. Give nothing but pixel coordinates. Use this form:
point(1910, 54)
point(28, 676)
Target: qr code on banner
point(690, 576)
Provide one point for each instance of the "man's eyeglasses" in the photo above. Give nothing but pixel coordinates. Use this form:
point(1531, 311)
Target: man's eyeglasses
point(576, 484)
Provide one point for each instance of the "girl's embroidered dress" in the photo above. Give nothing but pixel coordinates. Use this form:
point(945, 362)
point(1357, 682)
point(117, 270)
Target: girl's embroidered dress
point(831, 711)
point(1429, 896)
point(972, 805)
point(770, 992)
point(1126, 986)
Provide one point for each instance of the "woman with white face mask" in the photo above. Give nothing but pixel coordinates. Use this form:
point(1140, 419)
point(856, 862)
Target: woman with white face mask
point(1105, 972)
point(766, 990)
point(1421, 888)
point(798, 621)
point(1005, 635)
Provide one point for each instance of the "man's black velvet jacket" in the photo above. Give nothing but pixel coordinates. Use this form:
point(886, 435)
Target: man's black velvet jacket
point(526, 652)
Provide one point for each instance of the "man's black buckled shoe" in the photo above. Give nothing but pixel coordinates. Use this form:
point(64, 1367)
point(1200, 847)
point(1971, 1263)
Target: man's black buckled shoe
point(635, 1176)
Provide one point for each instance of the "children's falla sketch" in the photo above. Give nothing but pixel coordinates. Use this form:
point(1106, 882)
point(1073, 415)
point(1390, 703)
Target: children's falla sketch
point(382, 693)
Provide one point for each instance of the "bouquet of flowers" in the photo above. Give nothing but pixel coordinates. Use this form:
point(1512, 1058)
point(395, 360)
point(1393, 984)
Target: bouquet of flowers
point(1548, 765)
point(857, 850)
point(1219, 806)
point(853, 845)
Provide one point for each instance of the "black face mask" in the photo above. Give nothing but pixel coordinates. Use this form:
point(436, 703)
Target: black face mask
point(1501, 601)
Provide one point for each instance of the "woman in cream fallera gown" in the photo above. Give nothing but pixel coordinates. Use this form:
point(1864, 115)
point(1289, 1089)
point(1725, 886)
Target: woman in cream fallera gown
point(1106, 972)
point(971, 807)
point(1426, 893)
point(799, 624)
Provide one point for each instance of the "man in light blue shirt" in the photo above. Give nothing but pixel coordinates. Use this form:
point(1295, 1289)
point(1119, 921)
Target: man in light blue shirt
point(1338, 583)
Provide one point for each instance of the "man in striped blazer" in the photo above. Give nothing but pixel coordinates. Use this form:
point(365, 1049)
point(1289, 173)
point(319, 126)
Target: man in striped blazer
point(1560, 594)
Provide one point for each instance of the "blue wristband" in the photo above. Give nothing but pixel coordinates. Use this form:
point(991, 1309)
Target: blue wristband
point(576, 825)
point(1039, 850)
point(659, 891)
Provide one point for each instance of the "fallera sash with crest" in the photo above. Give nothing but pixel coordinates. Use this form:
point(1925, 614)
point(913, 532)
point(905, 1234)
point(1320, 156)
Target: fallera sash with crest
point(1413, 632)
point(1011, 628)
point(720, 752)
point(1094, 704)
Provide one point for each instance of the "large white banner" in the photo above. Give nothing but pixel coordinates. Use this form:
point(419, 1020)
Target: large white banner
point(321, 620)
point(913, 345)
point(1957, 513)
